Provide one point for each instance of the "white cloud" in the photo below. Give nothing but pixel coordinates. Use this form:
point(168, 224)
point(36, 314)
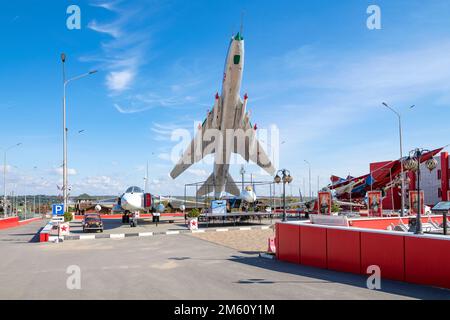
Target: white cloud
point(59, 171)
point(164, 156)
point(8, 168)
point(123, 55)
point(110, 29)
point(119, 80)
point(198, 172)
point(108, 5)
point(101, 184)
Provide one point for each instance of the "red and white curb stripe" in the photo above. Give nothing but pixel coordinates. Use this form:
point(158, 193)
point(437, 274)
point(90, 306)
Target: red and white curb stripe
point(152, 234)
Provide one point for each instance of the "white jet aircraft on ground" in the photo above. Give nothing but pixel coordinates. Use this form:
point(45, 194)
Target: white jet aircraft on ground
point(135, 199)
point(228, 113)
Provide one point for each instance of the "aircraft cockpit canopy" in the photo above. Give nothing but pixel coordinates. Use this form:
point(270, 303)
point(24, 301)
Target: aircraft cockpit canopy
point(134, 189)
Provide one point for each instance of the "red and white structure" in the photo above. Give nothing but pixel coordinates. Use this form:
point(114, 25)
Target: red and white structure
point(434, 184)
point(402, 256)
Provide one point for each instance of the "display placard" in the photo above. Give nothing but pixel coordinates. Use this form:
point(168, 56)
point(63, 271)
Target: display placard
point(375, 203)
point(324, 202)
point(219, 207)
point(413, 202)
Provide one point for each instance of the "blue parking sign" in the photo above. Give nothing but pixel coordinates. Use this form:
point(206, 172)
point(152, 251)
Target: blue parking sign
point(58, 209)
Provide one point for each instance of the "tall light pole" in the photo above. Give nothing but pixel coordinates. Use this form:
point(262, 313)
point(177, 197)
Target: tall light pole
point(242, 172)
point(401, 153)
point(309, 165)
point(65, 83)
point(5, 207)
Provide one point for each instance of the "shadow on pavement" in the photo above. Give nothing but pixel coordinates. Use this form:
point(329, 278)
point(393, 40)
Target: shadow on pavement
point(35, 237)
point(317, 275)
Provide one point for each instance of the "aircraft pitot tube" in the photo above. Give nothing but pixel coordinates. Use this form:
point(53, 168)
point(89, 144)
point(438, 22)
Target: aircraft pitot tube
point(215, 121)
point(245, 116)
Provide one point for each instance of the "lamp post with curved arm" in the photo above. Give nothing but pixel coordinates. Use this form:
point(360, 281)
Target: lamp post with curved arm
point(65, 83)
point(285, 178)
point(5, 207)
point(402, 175)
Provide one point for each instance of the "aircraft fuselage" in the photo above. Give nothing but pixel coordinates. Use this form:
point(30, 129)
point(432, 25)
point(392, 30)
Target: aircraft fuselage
point(228, 109)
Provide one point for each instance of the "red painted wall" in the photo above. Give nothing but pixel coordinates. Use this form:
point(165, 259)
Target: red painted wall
point(382, 224)
point(402, 257)
point(288, 243)
point(313, 246)
point(385, 251)
point(427, 261)
point(9, 222)
point(388, 200)
point(344, 250)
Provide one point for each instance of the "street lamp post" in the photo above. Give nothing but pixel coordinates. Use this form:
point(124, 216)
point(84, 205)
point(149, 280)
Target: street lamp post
point(413, 163)
point(401, 154)
point(309, 166)
point(242, 172)
point(5, 207)
point(285, 178)
point(65, 83)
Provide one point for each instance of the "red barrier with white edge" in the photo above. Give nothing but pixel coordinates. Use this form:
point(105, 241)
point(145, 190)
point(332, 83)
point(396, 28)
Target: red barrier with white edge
point(422, 259)
point(13, 222)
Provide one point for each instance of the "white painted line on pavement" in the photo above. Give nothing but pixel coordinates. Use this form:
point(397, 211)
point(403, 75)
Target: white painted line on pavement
point(145, 234)
point(198, 231)
point(265, 227)
point(117, 236)
point(245, 228)
point(172, 232)
point(87, 236)
point(222, 229)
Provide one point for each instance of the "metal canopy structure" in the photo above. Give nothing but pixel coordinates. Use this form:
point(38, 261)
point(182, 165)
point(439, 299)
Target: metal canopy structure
point(266, 188)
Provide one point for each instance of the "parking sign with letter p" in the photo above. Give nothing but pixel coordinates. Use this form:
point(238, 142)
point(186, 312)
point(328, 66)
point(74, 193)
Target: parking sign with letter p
point(58, 209)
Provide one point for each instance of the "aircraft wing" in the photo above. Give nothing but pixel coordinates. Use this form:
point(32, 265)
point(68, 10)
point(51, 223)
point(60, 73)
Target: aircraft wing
point(172, 199)
point(254, 151)
point(107, 203)
point(346, 203)
point(197, 149)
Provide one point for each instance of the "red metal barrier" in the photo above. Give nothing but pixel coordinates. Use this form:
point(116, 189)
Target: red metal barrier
point(288, 243)
point(313, 246)
point(13, 222)
point(385, 251)
point(344, 250)
point(9, 222)
point(400, 256)
point(427, 261)
point(383, 223)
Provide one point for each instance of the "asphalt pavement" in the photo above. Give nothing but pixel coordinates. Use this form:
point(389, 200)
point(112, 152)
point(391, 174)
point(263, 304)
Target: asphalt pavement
point(171, 267)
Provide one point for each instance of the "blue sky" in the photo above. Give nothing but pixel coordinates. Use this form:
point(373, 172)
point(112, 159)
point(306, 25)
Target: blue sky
point(312, 68)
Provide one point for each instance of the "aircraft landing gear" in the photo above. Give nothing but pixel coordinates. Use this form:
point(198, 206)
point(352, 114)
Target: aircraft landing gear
point(126, 217)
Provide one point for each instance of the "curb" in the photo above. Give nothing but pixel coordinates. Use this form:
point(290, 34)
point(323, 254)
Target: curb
point(152, 234)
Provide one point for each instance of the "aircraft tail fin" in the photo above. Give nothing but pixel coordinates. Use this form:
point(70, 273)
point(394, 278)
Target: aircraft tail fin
point(207, 187)
point(231, 186)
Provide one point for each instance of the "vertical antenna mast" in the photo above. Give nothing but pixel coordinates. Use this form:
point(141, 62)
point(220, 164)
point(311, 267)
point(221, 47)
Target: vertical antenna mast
point(242, 23)
point(146, 180)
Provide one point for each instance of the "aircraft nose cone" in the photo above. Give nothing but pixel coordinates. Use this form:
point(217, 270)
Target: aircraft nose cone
point(131, 201)
point(238, 37)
